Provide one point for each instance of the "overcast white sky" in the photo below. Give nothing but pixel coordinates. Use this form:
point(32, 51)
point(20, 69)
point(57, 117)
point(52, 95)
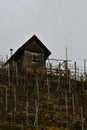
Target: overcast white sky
point(57, 23)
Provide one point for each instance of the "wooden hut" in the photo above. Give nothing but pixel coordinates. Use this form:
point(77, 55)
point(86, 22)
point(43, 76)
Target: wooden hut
point(33, 54)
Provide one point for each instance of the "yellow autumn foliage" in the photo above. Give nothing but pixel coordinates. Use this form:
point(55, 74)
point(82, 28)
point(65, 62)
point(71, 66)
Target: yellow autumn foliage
point(30, 70)
point(40, 70)
point(14, 63)
point(27, 63)
point(55, 80)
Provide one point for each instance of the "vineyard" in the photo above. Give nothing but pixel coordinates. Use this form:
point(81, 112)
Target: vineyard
point(45, 98)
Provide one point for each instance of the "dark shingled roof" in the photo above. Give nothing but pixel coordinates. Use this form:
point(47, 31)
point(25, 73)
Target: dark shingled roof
point(16, 56)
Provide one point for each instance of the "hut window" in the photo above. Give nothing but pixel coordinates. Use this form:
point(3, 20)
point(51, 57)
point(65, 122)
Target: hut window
point(35, 56)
